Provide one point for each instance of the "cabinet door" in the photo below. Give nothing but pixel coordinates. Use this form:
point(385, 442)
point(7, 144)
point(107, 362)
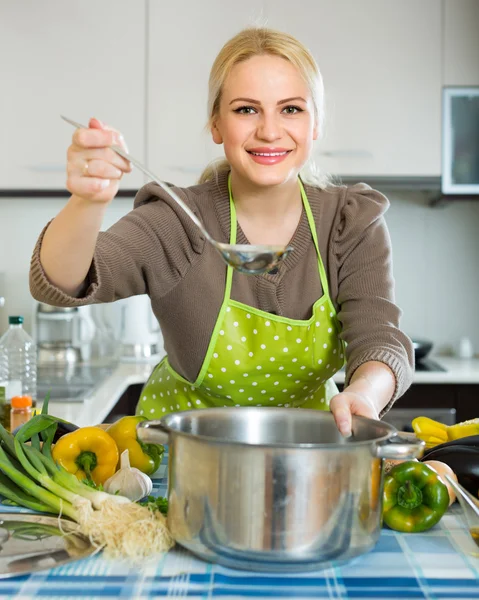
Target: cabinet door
point(79, 59)
point(461, 42)
point(381, 64)
point(184, 38)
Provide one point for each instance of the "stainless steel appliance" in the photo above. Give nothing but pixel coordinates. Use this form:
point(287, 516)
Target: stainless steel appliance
point(138, 329)
point(61, 333)
point(275, 489)
point(460, 141)
point(401, 418)
point(76, 348)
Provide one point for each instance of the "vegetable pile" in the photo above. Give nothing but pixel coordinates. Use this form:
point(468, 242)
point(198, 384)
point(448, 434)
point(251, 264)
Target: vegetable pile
point(67, 481)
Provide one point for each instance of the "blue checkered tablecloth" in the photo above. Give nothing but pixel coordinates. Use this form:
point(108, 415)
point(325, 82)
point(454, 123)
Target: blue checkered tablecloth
point(440, 564)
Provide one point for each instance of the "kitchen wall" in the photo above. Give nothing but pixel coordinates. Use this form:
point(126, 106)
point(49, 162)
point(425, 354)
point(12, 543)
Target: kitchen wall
point(436, 261)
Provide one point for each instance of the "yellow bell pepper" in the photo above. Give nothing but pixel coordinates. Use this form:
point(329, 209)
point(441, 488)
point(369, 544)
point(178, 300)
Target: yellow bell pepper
point(145, 457)
point(434, 433)
point(89, 453)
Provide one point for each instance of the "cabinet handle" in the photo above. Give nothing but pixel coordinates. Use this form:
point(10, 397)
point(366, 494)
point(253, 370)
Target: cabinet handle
point(346, 153)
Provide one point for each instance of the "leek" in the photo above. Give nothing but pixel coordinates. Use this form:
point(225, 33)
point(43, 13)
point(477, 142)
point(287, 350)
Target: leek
point(32, 479)
point(15, 494)
point(26, 484)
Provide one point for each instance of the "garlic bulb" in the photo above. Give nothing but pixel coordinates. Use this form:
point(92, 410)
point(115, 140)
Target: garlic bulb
point(128, 481)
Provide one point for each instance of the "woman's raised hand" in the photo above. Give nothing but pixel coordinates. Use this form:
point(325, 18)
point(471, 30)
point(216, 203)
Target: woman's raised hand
point(93, 169)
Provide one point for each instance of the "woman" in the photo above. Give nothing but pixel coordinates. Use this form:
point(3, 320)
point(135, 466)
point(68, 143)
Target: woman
point(234, 339)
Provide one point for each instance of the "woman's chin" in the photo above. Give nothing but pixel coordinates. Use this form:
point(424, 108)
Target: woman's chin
point(268, 176)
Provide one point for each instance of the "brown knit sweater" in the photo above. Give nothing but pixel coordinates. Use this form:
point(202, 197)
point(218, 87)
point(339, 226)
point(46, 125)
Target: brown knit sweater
point(157, 250)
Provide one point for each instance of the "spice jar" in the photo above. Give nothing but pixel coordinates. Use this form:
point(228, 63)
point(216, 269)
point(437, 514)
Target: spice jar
point(21, 411)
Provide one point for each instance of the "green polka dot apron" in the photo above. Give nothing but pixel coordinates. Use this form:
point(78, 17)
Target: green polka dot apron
point(255, 358)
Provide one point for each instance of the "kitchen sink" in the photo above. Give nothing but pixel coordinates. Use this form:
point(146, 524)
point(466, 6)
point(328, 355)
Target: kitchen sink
point(70, 384)
point(65, 393)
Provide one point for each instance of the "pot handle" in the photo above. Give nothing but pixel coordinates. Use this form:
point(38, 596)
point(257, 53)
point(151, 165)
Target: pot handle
point(400, 447)
point(152, 432)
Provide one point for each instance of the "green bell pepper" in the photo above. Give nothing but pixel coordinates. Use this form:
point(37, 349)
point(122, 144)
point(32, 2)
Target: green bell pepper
point(414, 498)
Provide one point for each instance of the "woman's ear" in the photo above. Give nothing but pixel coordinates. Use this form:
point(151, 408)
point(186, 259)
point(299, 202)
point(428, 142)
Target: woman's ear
point(316, 131)
point(216, 134)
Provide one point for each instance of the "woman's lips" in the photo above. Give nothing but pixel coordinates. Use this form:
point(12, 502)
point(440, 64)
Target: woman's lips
point(268, 156)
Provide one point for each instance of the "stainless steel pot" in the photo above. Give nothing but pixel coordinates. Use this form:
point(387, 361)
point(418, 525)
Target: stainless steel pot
point(274, 489)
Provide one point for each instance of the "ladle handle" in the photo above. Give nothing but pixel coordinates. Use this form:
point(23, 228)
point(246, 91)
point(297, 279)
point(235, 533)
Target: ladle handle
point(154, 178)
point(166, 188)
point(400, 448)
point(153, 432)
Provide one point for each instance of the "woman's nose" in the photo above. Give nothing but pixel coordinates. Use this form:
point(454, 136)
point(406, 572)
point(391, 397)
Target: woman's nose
point(269, 128)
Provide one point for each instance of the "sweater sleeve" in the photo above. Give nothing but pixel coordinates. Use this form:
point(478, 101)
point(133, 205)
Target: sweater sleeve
point(367, 310)
point(147, 251)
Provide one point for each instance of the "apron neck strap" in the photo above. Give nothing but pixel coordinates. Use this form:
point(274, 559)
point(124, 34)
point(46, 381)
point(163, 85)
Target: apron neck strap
point(314, 234)
point(312, 228)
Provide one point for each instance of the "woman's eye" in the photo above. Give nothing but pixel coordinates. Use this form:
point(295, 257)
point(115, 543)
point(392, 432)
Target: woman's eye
point(292, 110)
point(245, 110)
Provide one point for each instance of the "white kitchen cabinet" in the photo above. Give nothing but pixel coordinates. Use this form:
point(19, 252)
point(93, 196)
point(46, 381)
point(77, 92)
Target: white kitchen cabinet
point(461, 42)
point(77, 58)
point(381, 64)
point(184, 38)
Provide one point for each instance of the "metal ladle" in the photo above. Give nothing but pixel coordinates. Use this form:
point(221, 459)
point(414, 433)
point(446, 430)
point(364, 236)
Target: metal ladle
point(470, 508)
point(253, 259)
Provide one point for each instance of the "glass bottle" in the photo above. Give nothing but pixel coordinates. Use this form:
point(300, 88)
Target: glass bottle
point(18, 366)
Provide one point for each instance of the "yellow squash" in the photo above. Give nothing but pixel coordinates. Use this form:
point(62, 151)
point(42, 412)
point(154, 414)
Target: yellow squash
point(434, 432)
point(89, 453)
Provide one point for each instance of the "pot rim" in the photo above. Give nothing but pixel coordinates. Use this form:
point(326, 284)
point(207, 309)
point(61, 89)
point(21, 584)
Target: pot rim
point(349, 442)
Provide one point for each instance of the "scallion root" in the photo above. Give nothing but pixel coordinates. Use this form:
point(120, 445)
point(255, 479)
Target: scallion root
point(126, 530)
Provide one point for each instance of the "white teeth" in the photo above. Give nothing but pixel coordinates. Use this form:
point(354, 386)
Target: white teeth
point(268, 153)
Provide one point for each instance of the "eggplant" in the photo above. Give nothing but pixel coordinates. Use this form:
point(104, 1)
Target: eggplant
point(462, 456)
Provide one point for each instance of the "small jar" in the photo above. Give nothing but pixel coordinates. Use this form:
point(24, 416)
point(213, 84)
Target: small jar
point(21, 411)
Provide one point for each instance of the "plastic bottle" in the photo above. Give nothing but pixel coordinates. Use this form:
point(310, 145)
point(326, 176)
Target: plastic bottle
point(18, 366)
point(21, 411)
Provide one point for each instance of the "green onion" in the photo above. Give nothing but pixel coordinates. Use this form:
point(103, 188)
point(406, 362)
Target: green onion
point(17, 495)
point(29, 477)
point(26, 484)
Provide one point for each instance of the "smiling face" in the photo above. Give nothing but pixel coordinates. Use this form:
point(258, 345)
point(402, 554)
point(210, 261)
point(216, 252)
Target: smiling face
point(266, 121)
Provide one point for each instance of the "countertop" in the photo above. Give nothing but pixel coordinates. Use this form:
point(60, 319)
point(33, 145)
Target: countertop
point(98, 405)
point(440, 563)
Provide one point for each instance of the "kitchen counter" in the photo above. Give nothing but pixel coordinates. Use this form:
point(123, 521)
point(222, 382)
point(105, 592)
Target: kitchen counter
point(98, 405)
point(440, 563)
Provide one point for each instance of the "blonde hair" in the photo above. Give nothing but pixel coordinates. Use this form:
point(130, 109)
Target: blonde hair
point(256, 41)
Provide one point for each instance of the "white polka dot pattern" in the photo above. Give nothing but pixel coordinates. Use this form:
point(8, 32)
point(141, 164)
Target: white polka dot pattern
point(256, 353)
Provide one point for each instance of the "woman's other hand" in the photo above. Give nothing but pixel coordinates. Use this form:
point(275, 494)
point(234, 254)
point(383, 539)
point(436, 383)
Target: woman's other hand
point(370, 390)
point(94, 170)
point(348, 403)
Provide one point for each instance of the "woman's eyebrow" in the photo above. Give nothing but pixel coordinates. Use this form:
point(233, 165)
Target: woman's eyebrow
point(252, 101)
point(292, 100)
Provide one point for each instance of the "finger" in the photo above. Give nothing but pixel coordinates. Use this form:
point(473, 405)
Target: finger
point(89, 187)
point(101, 169)
point(120, 140)
point(95, 138)
point(342, 415)
point(94, 123)
point(77, 157)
